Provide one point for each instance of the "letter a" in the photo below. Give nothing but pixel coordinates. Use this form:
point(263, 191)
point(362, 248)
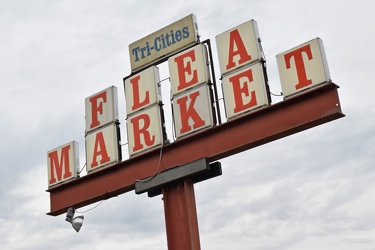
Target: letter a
point(236, 41)
point(99, 149)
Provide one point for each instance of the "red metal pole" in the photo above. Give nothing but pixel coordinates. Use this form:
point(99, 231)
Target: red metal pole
point(181, 216)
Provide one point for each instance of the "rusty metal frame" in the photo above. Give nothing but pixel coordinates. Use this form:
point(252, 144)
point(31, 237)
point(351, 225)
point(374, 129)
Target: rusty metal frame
point(298, 113)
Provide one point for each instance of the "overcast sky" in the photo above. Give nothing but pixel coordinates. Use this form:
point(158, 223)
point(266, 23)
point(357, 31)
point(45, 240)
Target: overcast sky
point(312, 190)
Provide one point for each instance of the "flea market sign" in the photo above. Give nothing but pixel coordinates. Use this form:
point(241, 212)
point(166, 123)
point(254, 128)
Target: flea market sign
point(158, 166)
point(193, 92)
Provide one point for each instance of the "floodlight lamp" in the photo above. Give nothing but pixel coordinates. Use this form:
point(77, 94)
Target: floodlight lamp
point(76, 221)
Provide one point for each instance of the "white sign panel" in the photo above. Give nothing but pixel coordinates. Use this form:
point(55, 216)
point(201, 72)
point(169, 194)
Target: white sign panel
point(192, 111)
point(188, 69)
point(101, 108)
point(62, 163)
point(303, 67)
point(163, 42)
point(238, 47)
point(102, 147)
point(142, 90)
point(145, 130)
point(244, 90)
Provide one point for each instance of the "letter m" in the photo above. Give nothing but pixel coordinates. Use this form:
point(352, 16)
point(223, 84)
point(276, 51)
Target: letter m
point(61, 163)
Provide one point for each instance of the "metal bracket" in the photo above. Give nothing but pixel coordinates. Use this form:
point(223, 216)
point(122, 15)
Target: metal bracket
point(198, 171)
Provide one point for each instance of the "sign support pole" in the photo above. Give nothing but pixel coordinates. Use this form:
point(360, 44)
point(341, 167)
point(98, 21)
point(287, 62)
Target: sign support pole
point(181, 216)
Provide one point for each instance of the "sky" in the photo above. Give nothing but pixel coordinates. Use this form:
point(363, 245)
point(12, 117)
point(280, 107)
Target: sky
point(311, 190)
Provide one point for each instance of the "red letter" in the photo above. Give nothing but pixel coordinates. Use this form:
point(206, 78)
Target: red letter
point(235, 40)
point(189, 112)
point(238, 90)
point(137, 131)
point(182, 70)
point(300, 66)
point(97, 108)
point(57, 165)
point(99, 149)
point(137, 103)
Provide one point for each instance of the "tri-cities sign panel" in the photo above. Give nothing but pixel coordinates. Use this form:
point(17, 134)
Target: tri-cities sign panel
point(163, 42)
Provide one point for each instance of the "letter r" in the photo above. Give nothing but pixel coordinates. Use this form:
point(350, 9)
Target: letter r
point(141, 124)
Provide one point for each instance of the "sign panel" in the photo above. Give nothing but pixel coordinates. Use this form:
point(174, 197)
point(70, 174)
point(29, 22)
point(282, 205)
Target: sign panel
point(188, 69)
point(238, 46)
point(101, 108)
point(142, 90)
point(244, 90)
point(102, 147)
point(62, 163)
point(303, 67)
point(192, 111)
point(145, 130)
point(163, 42)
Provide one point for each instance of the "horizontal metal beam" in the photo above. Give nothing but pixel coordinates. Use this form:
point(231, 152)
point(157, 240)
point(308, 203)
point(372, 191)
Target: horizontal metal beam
point(282, 119)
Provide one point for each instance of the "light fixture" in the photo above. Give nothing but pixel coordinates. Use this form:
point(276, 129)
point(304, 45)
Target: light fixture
point(76, 221)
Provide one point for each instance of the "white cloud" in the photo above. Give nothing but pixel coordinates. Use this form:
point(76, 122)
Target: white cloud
point(312, 190)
